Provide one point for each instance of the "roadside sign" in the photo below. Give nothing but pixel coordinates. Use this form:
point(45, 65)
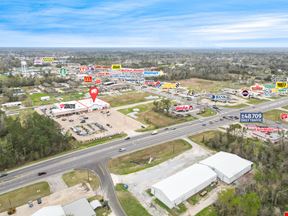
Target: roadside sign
point(98, 81)
point(281, 85)
point(93, 93)
point(48, 59)
point(248, 117)
point(284, 116)
point(245, 93)
point(63, 71)
point(87, 78)
point(116, 67)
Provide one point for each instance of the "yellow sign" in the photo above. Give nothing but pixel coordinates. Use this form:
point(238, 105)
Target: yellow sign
point(168, 85)
point(116, 67)
point(48, 59)
point(281, 85)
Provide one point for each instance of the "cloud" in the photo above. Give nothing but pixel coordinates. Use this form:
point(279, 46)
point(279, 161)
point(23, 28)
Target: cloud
point(128, 23)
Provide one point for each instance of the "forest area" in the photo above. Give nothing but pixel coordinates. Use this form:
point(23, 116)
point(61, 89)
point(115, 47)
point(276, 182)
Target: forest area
point(29, 137)
point(268, 191)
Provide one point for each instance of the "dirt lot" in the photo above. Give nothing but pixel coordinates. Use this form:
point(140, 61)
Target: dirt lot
point(98, 124)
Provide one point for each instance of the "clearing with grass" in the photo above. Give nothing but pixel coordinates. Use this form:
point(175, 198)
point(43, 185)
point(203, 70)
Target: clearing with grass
point(81, 176)
point(129, 203)
point(139, 160)
point(274, 115)
point(125, 98)
point(154, 120)
point(21, 196)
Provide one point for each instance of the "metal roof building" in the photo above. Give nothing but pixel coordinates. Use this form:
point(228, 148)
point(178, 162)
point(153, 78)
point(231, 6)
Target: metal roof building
point(56, 210)
point(80, 207)
point(228, 167)
point(184, 184)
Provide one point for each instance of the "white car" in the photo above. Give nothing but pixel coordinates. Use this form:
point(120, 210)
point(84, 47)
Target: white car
point(154, 132)
point(122, 149)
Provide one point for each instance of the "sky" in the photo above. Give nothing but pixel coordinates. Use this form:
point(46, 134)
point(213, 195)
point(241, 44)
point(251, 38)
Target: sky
point(144, 23)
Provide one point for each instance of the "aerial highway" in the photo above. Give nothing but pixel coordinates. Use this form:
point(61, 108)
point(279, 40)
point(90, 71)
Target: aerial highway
point(96, 157)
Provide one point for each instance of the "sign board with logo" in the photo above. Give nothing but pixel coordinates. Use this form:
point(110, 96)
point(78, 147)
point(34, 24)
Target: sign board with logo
point(116, 67)
point(183, 108)
point(168, 85)
point(280, 85)
point(284, 116)
point(67, 106)
point(245, 93)
point(248, 117)
point(219, 97)
point(87, 78)
point(63, 71)
point(48, 59)
point(151, 73)
point(83, 68)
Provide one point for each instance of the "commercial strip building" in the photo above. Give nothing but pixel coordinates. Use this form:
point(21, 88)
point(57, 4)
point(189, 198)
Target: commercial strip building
point(177, 188)
point(80, 106)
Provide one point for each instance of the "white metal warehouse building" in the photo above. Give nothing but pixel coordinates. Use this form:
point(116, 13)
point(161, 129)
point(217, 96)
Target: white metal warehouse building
point(228, 167)
point(184, 184)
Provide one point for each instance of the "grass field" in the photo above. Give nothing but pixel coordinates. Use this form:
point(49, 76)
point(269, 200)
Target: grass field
point(154, 119)
point(198, 138)
point(23, 195)
point(125, 98)
point(138, 160)
point(209, 85)
point(285, 107)
point(238, 106)
point(208, 211)
point(273, 115)
point(100, 141)
point(181, 208)
point(208, 112)
point(81, 176)
point(256, 101)
point(129, 203)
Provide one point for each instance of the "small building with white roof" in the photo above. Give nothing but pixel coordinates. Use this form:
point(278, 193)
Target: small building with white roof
point(229, 167)
point(184, 184)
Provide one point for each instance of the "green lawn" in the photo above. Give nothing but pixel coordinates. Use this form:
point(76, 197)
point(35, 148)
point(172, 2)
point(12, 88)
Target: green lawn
point(285, 107)
point(23, 195)
point(208, 112)
point(139, 160)
point(125, 98)
point(181, 208)
point(238, 106)
point(101, 141)
point(274, 115)
point(154, 119)
point(81, 176)
point(256, 101)
point(129, 203)
point(208, 211)
point(198, 138)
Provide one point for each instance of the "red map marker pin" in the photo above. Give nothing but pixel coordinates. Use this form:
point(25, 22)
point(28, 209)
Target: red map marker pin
point(93, 93)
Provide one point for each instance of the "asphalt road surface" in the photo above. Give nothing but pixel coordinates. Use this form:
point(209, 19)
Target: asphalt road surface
point(98, 154)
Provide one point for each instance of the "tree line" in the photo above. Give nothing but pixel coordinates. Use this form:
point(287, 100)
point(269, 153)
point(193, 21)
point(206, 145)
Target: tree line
point(268, 191)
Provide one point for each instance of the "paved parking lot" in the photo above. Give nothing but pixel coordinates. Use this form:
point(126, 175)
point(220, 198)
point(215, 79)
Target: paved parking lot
point(98, 124)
